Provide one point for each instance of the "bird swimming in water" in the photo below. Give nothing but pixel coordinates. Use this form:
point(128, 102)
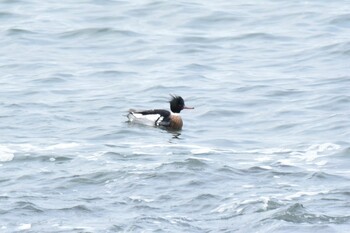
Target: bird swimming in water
point(159, 117)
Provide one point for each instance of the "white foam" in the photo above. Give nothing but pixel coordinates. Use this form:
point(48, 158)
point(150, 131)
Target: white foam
point(264, 159)
point(248, 186)
point(321, 163)
point(24, 226)
point(139, 198)
point(315, 156)
point(203, 150)
point(235, 204)
point(304, 193)
point(319, 150)
point(266, 202)
point(324, 147)
point(224, 207)
point(95, 156)
point(312, 157)
point(200, 158)
point(266, 167)
point(6, 154)
point(286, 162)
point(8, 151)
point(26, 147)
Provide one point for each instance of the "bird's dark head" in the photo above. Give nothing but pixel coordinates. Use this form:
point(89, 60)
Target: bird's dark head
point(177, 104)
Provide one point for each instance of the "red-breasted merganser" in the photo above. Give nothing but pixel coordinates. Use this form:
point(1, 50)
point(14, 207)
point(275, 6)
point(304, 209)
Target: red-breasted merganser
point(160, 117)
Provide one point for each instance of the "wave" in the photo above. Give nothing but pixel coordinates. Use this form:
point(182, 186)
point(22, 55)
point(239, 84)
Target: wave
point(18, 31)
point(92, 32)
point(6, 154)
point(8, 151)
point(342, 20)
point(310, 154)
point(297, 213)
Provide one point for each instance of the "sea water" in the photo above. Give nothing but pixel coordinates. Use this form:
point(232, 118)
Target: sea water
point(266, 148)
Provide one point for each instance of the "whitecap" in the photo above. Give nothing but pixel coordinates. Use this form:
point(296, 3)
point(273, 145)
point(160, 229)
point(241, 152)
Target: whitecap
point(324, 147)
point(140, 199)
point(264, 159)
point(266, 167)
point(200, 158)
point(95, 156)
point(202, 150)
point(314, 155)
point(6, 154)
point(248, 186)
point(224, 207)
point(8, 151)
point(319, 150)
point(24, 226)
point(304, 193)
point(321, 163)
point(27, 147)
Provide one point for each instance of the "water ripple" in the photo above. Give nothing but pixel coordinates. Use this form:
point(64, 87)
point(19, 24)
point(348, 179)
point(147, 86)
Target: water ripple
point(265, 149)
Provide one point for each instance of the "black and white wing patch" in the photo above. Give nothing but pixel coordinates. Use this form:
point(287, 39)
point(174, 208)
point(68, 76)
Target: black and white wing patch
point(157, 117)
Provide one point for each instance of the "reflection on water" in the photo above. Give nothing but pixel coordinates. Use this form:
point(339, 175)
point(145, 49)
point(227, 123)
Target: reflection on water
point(175, 134)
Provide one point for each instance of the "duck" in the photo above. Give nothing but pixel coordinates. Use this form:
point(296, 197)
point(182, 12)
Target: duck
point(162, 118)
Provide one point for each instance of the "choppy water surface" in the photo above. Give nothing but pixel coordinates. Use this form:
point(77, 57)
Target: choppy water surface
point(265, 150)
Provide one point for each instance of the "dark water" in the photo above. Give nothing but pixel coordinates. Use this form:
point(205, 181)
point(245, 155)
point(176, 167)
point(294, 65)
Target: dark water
point(265, 150)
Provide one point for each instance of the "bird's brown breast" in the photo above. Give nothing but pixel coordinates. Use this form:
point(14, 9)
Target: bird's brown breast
point(175, 122)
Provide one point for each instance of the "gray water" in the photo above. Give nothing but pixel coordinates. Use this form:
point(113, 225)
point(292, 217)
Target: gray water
point(266, 148)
